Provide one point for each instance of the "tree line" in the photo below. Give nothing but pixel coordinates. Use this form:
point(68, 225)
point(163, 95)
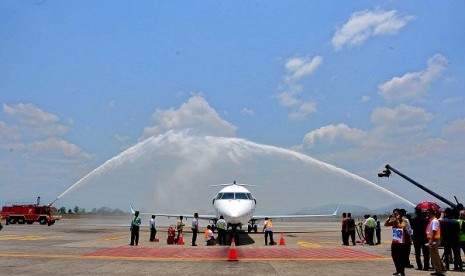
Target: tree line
point(95, 211)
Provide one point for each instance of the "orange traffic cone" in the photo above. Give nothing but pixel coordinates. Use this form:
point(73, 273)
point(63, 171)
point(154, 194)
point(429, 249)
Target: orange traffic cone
point(233, 251)
point(180, 240)
point(282, 241)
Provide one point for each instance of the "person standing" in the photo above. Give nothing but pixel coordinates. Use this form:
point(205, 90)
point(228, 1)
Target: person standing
point(370, 225)
point(420, 241)
point(195, 228)
point(398, 240)
point(433, 233)
point(268, 229)
point(461, 222)
point(350, 228)
point(221, 226)
point(450, 232)
point(153, 230)
point(345, 237)
point(377, 229)
point(180, 226)
point(135, 225)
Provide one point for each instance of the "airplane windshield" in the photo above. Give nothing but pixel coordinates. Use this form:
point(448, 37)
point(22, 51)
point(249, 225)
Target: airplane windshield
point(241, 196)
point(218, 196)
point(228, 196)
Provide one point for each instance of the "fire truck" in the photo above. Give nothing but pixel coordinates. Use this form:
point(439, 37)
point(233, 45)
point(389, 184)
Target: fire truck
point(29, 213)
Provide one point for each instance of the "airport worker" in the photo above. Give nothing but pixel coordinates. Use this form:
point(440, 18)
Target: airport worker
point(179, 226)
point(461, 222)
point(135, 225)
point(370, 225)
point(268, 229)
point(433, 233)
point(195, 228)
point(209, 238)
point(221, 226)
point(153, 230)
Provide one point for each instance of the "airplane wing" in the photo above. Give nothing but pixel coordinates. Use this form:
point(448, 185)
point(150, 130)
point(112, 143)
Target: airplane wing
point(260, 217)
point(205, 217)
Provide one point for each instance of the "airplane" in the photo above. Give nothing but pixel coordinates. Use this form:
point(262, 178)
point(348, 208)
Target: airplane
point(237, 205)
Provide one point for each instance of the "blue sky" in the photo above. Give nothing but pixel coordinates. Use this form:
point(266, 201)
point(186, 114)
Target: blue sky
point(357, 85)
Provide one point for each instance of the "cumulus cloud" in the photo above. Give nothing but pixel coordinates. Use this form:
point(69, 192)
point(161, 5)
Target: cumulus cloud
point(196, 114)
point(56, 146)
point(290, 95)
point(247, 111)
point(35, 120)
point(414, 85)
point(401, 115)
point(300, 67)
point(365, 24)
point(36, 132)
point(330, 133)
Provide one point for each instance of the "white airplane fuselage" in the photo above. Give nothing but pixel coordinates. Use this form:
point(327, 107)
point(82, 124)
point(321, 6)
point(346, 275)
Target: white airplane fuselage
point(236, 204)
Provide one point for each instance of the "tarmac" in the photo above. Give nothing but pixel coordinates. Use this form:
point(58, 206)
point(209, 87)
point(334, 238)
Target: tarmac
point(99, 246)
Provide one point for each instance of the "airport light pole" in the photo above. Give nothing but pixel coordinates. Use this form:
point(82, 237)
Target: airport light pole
point(387, 173)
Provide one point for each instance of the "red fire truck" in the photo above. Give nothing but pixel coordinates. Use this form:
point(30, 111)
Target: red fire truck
point(29, 213)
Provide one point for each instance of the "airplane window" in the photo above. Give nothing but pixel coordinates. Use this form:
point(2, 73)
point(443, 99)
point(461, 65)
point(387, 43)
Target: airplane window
point(228, 196)
point(249, 196)
point(241, 196)
point(219, 195)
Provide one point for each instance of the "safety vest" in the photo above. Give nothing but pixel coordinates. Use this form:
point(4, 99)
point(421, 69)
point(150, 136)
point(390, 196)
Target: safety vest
point(429, 231)
point(221, 224)
point(136, 221)
point(269, 225)
point(180, 225)
point(462, 230)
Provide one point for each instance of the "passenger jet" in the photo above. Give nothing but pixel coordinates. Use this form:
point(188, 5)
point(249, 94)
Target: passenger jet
point(237, 205)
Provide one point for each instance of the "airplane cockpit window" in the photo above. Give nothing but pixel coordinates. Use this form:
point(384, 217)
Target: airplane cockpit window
point(241, 196)
point(228, 196)
point(249, 196)
point(218, 196)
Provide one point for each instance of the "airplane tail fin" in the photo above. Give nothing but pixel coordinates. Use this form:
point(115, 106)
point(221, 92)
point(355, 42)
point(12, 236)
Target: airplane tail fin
point(132, 209)
point(335, 211)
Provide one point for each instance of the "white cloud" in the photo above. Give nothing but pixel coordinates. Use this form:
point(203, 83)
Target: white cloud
point(364, 24)
point(300, 67)
point(303, 110)
point(291, 90)
point(35, 120)
point(455, 129)
point(330, 133)
point(413, 85)
point(196, 114)
point(248, 111)
point(402, 115)
point(58, 146)
point(36, 132)
point(290, 97)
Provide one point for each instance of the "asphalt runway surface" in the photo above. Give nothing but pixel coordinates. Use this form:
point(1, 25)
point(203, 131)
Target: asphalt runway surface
point(99, 246)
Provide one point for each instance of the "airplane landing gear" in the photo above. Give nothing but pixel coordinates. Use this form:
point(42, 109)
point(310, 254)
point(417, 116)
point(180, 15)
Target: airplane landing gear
point(252, 226)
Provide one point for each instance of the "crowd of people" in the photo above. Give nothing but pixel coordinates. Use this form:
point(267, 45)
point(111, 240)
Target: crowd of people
point(427, 231)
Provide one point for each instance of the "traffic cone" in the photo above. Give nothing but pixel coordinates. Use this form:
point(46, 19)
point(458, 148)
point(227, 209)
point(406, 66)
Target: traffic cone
point(233, 251)
point(281, 240)
point(180, 240)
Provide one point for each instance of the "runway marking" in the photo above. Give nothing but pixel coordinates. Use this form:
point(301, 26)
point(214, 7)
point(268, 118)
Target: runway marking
point(24, 237)
point(309, 244)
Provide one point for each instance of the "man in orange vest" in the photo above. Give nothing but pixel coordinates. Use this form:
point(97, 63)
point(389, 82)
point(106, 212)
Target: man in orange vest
point(209, 238)
point(433, 233)
point(268, 229)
